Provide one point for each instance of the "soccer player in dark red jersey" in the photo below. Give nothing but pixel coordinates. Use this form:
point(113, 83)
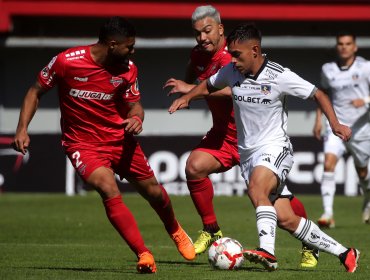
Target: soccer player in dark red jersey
point(218, 150)
point(100, 114)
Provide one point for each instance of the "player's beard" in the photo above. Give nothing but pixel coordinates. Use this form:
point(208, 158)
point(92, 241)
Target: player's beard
point(119, 60)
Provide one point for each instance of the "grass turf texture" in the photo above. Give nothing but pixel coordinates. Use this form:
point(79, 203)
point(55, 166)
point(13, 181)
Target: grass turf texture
point(46, 236)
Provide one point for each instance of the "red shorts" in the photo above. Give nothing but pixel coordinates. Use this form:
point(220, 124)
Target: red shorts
point(127, 160)
point(224, 150)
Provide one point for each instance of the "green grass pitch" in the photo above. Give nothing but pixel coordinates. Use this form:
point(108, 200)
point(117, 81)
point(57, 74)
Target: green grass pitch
point(44, 236)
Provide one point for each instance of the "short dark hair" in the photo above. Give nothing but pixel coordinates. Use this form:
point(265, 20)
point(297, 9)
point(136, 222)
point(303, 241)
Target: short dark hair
point(345, 33)
point(116, 27)
point(244, 32)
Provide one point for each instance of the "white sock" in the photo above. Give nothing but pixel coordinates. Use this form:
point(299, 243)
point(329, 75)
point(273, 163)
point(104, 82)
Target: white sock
point(311, 234)
point(266, 227)
point(328, 192)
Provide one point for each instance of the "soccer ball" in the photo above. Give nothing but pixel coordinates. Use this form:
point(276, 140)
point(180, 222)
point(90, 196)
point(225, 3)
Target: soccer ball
point(226, 253)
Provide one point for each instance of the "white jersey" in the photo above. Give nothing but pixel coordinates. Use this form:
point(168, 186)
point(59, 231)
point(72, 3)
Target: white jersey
point(260, 103)
point(345, 85)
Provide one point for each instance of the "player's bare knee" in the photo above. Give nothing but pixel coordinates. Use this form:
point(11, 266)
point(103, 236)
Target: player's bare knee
point(104, 186)
point(194, 170)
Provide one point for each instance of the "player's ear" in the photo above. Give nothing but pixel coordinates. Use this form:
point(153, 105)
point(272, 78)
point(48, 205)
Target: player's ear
point(112, 44)
point(221, 29)
point(255, 50)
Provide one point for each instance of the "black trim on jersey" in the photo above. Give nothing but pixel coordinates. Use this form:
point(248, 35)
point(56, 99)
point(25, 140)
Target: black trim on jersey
point(254, 77)
point(349, 67)
point(275, 66)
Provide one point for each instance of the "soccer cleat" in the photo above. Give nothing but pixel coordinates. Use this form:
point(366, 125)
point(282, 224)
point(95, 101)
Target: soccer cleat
point(184, 244)
point(366, 214)
point(326, 221)
point(205, 240)
point(263, 257)
point(309, 258)
point(350, 259)
point(146, 263)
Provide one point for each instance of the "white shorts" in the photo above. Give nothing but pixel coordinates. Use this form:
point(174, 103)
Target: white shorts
point(359, 149)
point(276, 158)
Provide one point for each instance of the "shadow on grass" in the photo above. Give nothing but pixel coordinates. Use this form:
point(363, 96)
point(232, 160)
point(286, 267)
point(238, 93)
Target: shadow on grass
point(183, 262)
point(85, 269)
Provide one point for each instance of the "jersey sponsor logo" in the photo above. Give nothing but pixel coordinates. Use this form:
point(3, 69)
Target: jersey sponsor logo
point(116, 81)
point(84, 79)
point(85, 94)
point(249, 99)
point(265, 89)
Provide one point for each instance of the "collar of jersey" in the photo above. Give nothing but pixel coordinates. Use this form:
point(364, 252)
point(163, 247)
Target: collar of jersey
point(255, 77)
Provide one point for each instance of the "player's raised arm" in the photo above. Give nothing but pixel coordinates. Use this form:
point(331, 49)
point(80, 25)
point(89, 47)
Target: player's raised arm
point(30, 103)
point(182, 102)
point(342, 131)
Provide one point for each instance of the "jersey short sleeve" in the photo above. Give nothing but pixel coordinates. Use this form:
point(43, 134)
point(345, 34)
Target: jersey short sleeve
point(221, 79)
point(48, 76)
point(292, 84)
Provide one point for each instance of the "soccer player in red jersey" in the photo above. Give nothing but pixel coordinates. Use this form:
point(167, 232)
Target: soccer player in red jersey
point(100, 114)
point(218, 150)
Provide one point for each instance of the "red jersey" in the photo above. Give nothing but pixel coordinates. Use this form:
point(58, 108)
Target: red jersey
point(92, 100)
point(222, 111)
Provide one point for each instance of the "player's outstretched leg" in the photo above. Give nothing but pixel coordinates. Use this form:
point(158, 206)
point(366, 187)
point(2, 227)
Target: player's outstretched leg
point(201, 192)
point(309, 256)
point(123, 221)
point(164, 209)
point(311, 234)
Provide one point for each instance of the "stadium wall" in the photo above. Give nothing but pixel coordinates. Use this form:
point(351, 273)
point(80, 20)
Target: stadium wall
point(45, 168)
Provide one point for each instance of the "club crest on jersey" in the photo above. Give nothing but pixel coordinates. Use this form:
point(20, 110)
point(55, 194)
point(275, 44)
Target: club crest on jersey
point(116, 81)
point(355, 76)
point(265, 89)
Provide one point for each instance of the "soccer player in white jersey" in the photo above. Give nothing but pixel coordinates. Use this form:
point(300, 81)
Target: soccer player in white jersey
point(259, 90)
point(347, 82)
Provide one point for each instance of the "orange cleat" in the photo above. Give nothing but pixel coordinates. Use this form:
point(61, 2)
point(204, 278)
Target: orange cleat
point(146, 263)
point(184, 244)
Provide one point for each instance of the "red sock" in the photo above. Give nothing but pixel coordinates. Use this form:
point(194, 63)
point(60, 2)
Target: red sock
point(124, 222)
point(165, 212)
point(201, 192)
point(298, 207)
